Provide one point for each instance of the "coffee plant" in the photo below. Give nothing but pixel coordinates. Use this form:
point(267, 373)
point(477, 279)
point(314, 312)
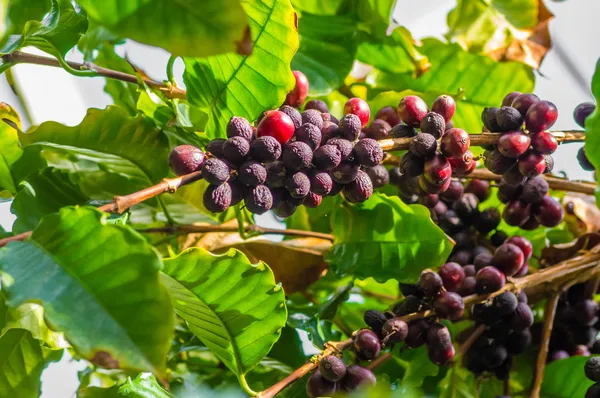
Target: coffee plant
point(271, 224)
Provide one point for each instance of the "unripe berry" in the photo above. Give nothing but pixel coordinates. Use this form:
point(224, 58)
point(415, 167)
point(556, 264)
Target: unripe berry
point(276, 124)
point(359, 108)
point(445, 106)
point(541, 116)
point(185, 159)
point(297, 96)
point(455, 143)
point(412, 110)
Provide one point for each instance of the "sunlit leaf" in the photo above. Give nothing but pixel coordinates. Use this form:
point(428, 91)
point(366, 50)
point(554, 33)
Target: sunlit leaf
point(10, 151)
point(592, 129)
point(565, 378)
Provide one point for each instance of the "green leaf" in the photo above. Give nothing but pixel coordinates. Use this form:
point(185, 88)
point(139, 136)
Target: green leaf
point(234, 307)
point(329, 7)
point(235, 85)
point(114, 152)
point(22, 360)
point(565, 378)
point(384, 238)
point(592, 129)
point(419, 367)
point(30, 317)
point(44, 193)
point(182, 27)
point(123, 93)
point(10, 151)
point(480, 80)
point(143, 386)
point(327, 50)
point(106, 296)
point(55, 35)
point(15, 15)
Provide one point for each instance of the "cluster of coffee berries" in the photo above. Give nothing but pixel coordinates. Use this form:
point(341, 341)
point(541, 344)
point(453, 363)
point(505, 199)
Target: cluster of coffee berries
point(580, 114)
point(507, 319)
point(592, 372)
point(576, 324)
point(334, 376)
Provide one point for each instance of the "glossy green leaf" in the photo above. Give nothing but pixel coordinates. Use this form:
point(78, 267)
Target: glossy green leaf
point(116, 153)
point(30, 317)
point(44, 193)
point(106, 295)
point(384, 238)
point(123, 93)
point(14, 14)
point(10, 151)
point(329, 7)
point(327, 50)
point(234, 307)
point(565, 378)
point(181, 27)
point(592, 129)
point(22, 360)
point(143, 386)
point(56, 34)
point(235, 85)
point(419, 367)
point(477, 81)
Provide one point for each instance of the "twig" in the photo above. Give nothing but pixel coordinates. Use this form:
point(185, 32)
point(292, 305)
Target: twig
point(16, 88)
point(549, 312)
point(507, 386)
point(19, 57)
point(466, 346)
point(556, 183)
point(380, 360)
point(122, 203)
point(234, 228)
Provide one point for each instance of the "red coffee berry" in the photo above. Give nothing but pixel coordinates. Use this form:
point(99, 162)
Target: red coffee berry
point(444, 105)
point(276, 124)
point(532, 164)
point(359, 108)
point(297, 96)
point(541, 116)
point(513, 144)
point(437, 170)
point(412, 110)
point(455, 143)
point(544, 143)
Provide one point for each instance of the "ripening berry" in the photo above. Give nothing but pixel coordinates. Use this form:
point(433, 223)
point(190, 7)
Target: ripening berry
point(366, 345)
point(367, 152)
point(297, 184)
point(532, 164)
point(463, 166)
point(293, 113)
point(309, 134)
point(275, 174)
point(360, 189)
point(449, 305)
point(215, 147)
point(215, 171)
point(359, 108)
point(345, 173)
point(452, 275)
point(239, 127)
point(441, 355)
point(582, 112)
point(522, 243)
point(402, 131)
point(438, 335)
point(541, 116)
point(534, 190)
point(332, 368)
point(350, 126)
point(297, 155)
point(516, 213)
point(497, 163)
point(265, 149)
point(508, 258)
point(482, 260)
point(252, 173)
point(297, 96)
point(523, 102)
point(327, 157)
point(488, 280)
point(430, 283)
point(312, 200)
point(544, 143)
point(583, 160)
point(319, 105)
point(489, 117)
point(479, 188)
point(548, 212)
point(379, 175)
point(318, 386)
point(432, 188)
point(445, 106)
point(320, 182)
point(455, 143)
point(217, 198)
point(412, 110)
point(394, 330)
point(235, 150)
point(510, 97)
point(276, 124)
point(357, 376)
point(513, 144)
point(389, 115)
point(509, 119)
point(437, 170)
point(378, 130)
point(185, 159)
point(434, 124)
point(423, 145)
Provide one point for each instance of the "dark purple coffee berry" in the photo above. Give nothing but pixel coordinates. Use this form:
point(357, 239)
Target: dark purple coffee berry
point(236, 149)
point(350, 126)
point(367, 152)
point(513, 144)
point(378, 130)
point(357, 376)
point(523, 102)
point(582, 112)
point(451, 222)
point(297, 155)
point(252, 173)
point(275, 174)
point(215, 147)
point(498, 238)
point(293, 113)
point(508, 192)
point(523, 244)
point(513, 177)
point(312, 116)
point(498, 163)
point(394, 330)
point(185, 159)
point(239, 127)
point(468, 286)
point(215, 171)
point(366, 345)
point(449, 305)
point(534, 190)
point(453, 193)
point(375, 320)
point(312, 200)
point(336, 188)
point(541, 116)
point(332, 368)
point(489, 280)
point(379, 175)
point(309, 134)
point(360, 189)
point(344, 146)
point(430, 283)
point(329, 131)
point(510, 97)
point(411, 165)
point(259, 200)
point(402, 131)
point(318, 105)
point(433, 124)
point(285, 209)
point(318, 386)
point(522, 318)
point(417, 331)
point(504, 304)
point(429, 200)
point(517, 341)
point(489, 117)
point(438, 335)
point(488, 220)
point(509, 119)
point(592, 369)
point(345, 173)
point(549, 160)
point(583, 160)
point(298, 184)
point(467, 207)
point(548, 212)
point(265, 149)
point(389, 115)
point(455, 143)
point(238, 190)
point(532, 164)
point(217, 198)
point(411, 304)
point(516, 213)
point(452, 275)
point(445, 106)
point(327, 157)
point(544, 143)
point(482, 260)
point(423, 145)
point(320, 182)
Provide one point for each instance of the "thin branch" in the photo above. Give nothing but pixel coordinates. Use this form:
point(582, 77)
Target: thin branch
point(380, 360)
point(188, 229)
point(549, 313)
point(466, 346)
point(19, 57)
point(17, 89)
